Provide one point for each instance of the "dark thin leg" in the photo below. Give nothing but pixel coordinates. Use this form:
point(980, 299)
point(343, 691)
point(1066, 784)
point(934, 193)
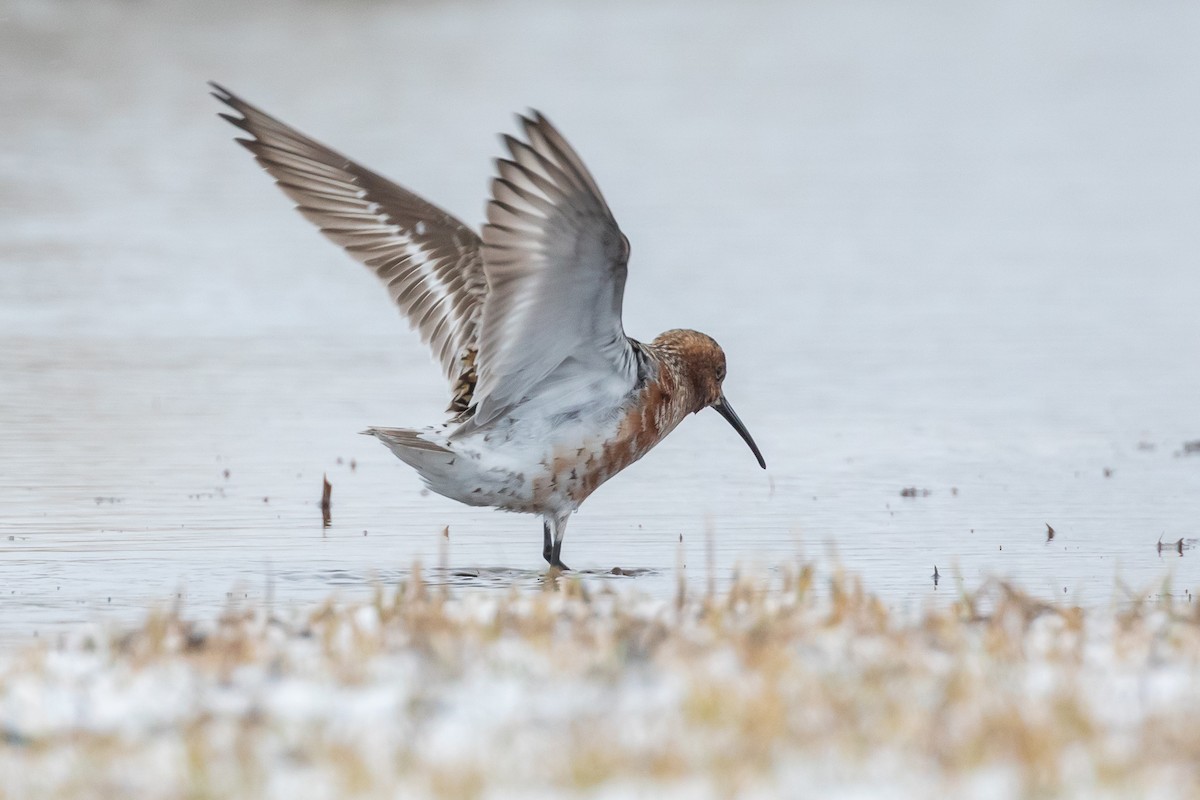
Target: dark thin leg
point(559, 525)
point(555, 560)
point(546, 546)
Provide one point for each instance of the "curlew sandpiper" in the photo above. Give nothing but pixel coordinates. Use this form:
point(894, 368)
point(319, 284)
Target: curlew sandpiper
point(549, 397)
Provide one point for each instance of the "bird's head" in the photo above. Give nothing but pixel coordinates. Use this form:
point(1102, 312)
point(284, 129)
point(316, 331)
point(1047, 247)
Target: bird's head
point(701, 363)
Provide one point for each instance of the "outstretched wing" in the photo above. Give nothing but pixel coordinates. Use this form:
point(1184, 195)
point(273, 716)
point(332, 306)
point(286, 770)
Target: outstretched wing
point(429, 260)
point(555, 263)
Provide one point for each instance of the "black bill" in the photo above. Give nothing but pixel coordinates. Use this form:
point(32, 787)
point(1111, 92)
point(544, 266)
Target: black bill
point(725, 410)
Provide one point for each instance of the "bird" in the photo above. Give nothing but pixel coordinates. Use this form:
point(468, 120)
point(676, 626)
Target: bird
point(548, 396)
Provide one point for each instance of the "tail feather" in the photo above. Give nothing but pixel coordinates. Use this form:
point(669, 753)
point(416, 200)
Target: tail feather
point(406, 438)
point(443, 469)
point(433, 462)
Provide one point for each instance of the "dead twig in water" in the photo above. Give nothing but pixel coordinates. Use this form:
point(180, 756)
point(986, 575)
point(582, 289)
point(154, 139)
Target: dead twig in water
point(326, 492)
point(1177, 546)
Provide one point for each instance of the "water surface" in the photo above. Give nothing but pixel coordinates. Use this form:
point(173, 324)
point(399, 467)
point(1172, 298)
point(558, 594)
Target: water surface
point(944, 250)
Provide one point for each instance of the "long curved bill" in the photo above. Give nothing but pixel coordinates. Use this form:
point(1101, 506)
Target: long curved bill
point(725, 410)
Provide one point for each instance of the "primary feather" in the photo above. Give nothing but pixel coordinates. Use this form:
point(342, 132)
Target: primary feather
point(428, 259)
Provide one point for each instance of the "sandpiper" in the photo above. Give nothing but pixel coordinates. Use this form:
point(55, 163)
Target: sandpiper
point(549, 397)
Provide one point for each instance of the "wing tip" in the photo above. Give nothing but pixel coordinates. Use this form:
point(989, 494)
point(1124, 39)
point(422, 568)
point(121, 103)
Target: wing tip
point(511, 143)
point(239, 119)
point(225, 96)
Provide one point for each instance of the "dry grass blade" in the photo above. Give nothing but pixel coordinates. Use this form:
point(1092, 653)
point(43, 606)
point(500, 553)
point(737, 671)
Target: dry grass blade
point(580, 690)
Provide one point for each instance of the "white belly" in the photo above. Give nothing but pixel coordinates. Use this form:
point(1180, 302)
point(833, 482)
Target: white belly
point(525, 465)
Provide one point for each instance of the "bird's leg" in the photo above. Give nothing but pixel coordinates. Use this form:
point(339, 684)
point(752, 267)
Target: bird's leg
point(559, 526)
point(546, 548)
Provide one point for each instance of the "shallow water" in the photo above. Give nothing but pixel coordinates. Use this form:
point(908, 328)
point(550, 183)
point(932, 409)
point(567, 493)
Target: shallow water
point(947, 250)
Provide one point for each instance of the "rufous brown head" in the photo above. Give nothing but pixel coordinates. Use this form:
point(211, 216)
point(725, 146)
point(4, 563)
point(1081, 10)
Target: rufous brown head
point(702, 371)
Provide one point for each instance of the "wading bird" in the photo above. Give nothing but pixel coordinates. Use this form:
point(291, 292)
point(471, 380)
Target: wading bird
point(550, 398)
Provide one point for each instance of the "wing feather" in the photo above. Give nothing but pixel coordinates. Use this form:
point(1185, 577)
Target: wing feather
point(430, 261)
point(555, 263)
